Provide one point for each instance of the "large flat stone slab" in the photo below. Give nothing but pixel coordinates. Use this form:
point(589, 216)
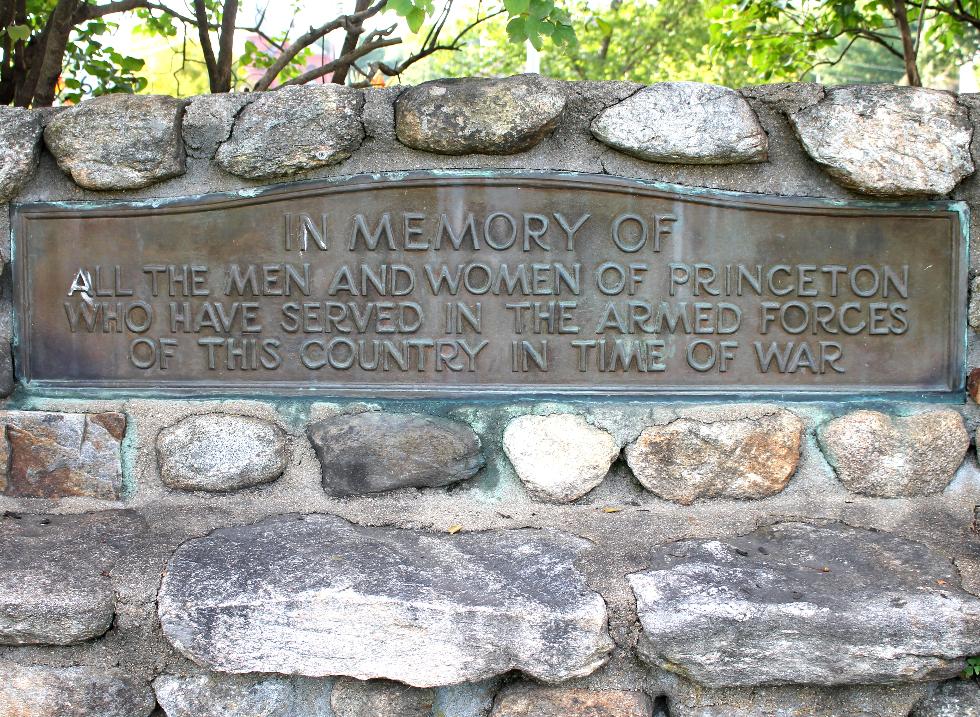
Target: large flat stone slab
point(315, 595)
point(889, 140)
point(56, 455)
point(797, 603)
point(55, 586)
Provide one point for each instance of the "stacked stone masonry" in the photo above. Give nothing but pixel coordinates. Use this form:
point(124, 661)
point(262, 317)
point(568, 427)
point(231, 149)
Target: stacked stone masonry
point(523, 557)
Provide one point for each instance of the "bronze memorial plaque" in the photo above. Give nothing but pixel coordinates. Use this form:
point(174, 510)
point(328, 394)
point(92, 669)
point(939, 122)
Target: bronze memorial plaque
point(491, 283)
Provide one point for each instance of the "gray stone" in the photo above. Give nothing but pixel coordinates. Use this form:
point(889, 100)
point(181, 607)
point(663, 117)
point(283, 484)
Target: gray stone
point(684, 123)
point(119, 141)
point(559, 457)
point(973, 315)
point(294, 129)
point(687, 699)
point(475, 115)
point(880, 455)
point(6, 369)
point(955, 698)
point(315, 595)
point(38, 691)
point(469, 699)
point(357, 698)
point(55, 586)
point(57, 455)
point(220, 452)
point(527, 700)
point(211, 695)
point(889, 140)
point(750, 456)
point(20, 147)
point(796, 603)
point(208, 122)
point(785, 96)
point(375, 452)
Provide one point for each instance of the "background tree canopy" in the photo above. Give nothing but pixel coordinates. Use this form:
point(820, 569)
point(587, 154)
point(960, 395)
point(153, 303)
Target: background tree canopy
point(63, 50)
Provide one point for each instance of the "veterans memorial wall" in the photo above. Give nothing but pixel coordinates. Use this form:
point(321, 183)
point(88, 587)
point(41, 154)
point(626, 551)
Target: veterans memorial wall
point(491, 398)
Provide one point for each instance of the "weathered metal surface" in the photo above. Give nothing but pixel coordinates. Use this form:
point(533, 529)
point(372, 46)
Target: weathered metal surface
point(491, 283)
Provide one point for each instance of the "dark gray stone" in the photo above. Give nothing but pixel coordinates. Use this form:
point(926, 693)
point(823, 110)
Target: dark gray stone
point(55, 586)
point(211, 695)
point(38, 691)
point(479, 115)
point(888, 140)
point(6, 369)
point(119, 141)
point(375, 452)
point(684, 123)
point(208, 122)
point(371, 698)
point(20, 146)
point(293, 129)
point(315, 595)
point(956, 698)
point(797, 603)
point(220, 452)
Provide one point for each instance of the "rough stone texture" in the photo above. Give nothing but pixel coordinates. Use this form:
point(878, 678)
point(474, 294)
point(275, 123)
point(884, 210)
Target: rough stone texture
point(889, 140)
point(824, 605)
point(478, 115)
point(212, 695)
point(219, 452)
point(55, 586)
point(973, 314)
point(293, 129)
point(357, 698)
point(20, 146)
point(684, 123)
point(687, 699)
point(6, 369)
point(880, 455)
point(119, 141)
point(316, 595)
point(56, 455)
point(523, 700)
point(688, 458)
point(785, 96)
point(71, 692)
point(469, 699)
point(208, 122)
point(955, 698)
point(374, 452)
point(559, 457)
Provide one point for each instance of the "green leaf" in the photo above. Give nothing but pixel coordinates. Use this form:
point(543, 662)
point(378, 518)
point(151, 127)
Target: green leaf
point(18, 33)
point(604, 27)
point(516, 7)
point(516, 30)
point(415, 18)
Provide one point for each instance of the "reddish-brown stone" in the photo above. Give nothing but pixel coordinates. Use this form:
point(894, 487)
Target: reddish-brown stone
point(56, 455)
point(533, 701)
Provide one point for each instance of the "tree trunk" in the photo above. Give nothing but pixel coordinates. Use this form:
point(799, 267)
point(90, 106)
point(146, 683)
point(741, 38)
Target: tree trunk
point(350, 44)
point(226, 40)
point(908, 43)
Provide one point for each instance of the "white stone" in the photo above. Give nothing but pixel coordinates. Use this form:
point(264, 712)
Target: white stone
point(559, 457)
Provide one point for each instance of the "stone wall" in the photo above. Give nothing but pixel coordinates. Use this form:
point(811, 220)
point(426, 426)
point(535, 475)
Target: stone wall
point(466, 558)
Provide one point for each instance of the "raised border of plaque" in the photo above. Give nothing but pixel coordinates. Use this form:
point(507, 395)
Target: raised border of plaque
point(670, 244)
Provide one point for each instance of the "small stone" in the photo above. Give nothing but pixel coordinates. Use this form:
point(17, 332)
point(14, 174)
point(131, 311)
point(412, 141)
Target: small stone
point(559, 457)
point(6, 369)
point(973, 314)
point(684, 123)
point(468, 699)
point(55, 586)
point(523, 700)
point(315, 595)
point(212, 695)
point(119, 141)
point(476, 115)
point(57, 455)
point(884, 456)
point(20, 147)
point(687, 699)
point(208, 122)
point(356, 698)
point(219, 452)
point(375, 452)
point(294, 129)
point(746, 457)
point(889, 140)
point(790, 603)
point(955, 698)
point(38, 691)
